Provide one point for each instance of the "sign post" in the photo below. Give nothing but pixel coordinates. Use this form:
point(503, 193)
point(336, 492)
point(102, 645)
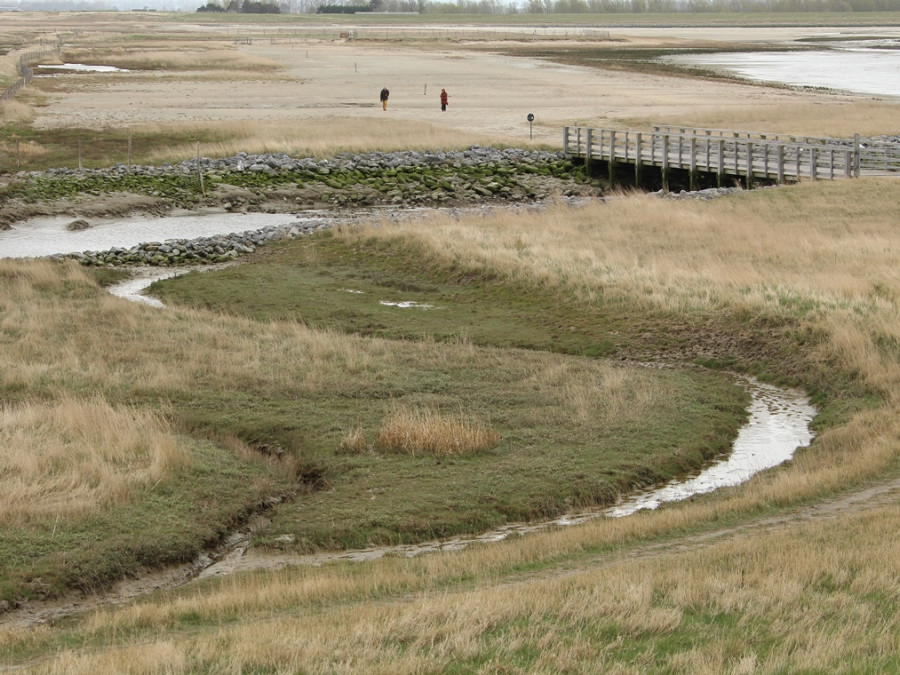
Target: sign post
point(530, 120)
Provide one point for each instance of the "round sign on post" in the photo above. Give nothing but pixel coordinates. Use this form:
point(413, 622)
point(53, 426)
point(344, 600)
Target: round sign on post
point(530, 120)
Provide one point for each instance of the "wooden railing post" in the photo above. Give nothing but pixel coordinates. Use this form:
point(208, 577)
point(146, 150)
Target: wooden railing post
point(813, 159)
point(566, 142)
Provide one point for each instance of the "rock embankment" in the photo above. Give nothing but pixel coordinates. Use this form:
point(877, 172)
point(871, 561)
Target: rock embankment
point(280, 183)
point(174, 252)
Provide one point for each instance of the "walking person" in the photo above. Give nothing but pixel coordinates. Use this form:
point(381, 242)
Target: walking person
point(384, 98)
point(443, 100)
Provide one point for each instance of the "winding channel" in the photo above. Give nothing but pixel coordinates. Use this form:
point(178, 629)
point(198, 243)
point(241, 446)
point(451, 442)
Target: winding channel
point(777, 425)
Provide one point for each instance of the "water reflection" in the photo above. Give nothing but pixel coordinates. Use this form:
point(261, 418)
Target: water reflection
point(41, 237)
point(856, 70)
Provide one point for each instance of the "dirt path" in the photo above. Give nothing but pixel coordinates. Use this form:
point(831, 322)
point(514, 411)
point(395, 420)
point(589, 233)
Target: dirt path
point(235, 549)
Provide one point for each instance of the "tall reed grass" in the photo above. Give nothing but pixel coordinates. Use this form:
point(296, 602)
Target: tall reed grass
point(836, 119)
point(70, 458)
point(824, 254)
point(313, 137)
point(168, 56)
point(431, 431)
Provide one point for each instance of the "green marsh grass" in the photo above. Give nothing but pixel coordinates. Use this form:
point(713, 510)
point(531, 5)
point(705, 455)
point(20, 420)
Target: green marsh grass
point(806, 596)
point(284, 392)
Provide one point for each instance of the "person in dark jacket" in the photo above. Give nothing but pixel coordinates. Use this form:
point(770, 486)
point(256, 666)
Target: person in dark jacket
point(443, 99)
point(384, 98)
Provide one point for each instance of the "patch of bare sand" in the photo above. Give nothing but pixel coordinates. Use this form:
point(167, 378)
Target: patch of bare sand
point(490, 94)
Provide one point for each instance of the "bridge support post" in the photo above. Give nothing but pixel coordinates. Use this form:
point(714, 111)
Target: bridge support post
point(612, 156)
point(588, 151)
point(749, 165)
point(720, 169)
point(780, 160)
point(693, 172)
point(637, 159)
point(665, 163)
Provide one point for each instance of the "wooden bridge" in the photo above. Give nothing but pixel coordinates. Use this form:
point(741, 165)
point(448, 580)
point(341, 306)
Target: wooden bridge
point(716, 157)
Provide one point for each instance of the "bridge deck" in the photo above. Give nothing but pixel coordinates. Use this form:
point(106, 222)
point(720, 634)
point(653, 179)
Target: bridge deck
point(747, 155)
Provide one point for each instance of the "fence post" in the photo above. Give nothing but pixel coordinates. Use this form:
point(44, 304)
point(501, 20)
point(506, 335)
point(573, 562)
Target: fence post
point(200, 171)
point(813, 159)
point(566, 141)
point(856, 155)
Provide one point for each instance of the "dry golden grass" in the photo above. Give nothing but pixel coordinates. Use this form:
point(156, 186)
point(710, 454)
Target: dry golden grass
point(191, 56)
point(837, 119)
point(313, 138)
point(70, 458)
point(809, 581)
point(430, 431)
point(13, 111)
point(353, 442)
point(831, 262)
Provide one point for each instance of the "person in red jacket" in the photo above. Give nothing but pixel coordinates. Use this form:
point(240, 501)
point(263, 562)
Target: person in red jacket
point(443, 99)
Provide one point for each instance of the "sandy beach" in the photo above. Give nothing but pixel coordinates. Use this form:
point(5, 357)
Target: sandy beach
point(490, 93)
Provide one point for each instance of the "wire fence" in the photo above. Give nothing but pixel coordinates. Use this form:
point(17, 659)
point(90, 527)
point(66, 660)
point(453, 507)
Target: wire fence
point(26, 73)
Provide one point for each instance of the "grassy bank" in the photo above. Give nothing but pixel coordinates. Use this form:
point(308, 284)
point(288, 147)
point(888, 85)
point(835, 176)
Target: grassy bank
point(800, 278)
point(563, 431)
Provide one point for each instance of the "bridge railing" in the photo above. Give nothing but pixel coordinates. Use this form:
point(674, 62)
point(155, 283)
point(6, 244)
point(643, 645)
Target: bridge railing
point(874, 155)
point(750, 156)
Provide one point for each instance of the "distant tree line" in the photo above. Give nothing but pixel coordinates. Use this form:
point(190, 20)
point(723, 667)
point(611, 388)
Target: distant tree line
point(475, 6)
point(242, 7)
point(584, 6)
